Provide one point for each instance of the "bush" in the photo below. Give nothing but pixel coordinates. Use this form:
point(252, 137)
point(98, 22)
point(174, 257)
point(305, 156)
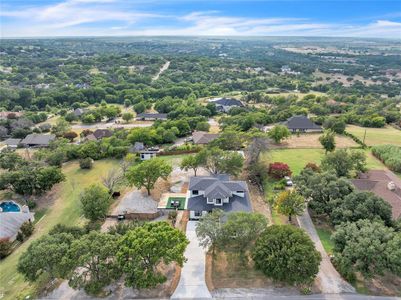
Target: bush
point(314, 167)
point(86, 163)
point(390, 155)
point(31, 204)
point(27, 229)
point(279, 170)
point(286, 253)
point(5, 248)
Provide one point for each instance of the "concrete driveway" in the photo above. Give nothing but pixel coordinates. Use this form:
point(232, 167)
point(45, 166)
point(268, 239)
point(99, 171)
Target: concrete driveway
point(192, 283)
point(328, 279)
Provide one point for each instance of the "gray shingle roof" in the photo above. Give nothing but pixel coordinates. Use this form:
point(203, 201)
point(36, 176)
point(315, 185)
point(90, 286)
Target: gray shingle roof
point(300, 122)
point(228, 102)
point(236, 203)
point(202, 137)
point(12, 142)
point(102, 133)
point(38, 139)
point(11, 223)
point(217, 190)
point(152, 116)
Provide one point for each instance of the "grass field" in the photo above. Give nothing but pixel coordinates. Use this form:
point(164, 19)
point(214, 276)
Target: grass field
point(311, 140)
point(377, 136)
point(298, 158)
point(324, 235)
point(65, 210)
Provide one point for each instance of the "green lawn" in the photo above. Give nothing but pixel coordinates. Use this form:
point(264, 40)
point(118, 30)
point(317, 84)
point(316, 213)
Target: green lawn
point(377, 136)
point(298, 158)
point(324, 235)
point(181, 201)
point(66, 210)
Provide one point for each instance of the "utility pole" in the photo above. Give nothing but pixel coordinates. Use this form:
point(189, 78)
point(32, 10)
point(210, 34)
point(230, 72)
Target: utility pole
point(364, 136)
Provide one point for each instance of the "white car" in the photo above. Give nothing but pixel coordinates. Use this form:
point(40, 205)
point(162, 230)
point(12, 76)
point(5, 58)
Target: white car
point(288, 181)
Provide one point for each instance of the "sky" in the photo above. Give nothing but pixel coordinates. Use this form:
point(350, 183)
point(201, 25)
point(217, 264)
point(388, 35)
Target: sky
point(347, 18)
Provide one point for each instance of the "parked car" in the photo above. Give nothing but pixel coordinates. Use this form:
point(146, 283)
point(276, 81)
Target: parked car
point(288, 181)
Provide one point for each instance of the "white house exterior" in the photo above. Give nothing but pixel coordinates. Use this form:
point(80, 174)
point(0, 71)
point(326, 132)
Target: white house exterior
point(207, 193)
point(147, 154)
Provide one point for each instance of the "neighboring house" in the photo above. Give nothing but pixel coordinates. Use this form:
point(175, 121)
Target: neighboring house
point(38, 140)
point(203, 137)
point(4, 115)
point(12, 143)
point(225, 104)
point(102, 133)
point(137, 147)
point(150, 117)
point(207, 193)
point(12, 216)
point(90, 138)
point(78, 112)
point(384, 184)
point(148, 153)
point(302, 124)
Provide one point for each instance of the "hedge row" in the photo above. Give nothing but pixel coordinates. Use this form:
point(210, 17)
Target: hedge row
point(390, 155)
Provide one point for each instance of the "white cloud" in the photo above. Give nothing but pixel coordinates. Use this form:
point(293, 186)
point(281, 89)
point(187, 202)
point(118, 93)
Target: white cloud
point(118, 17)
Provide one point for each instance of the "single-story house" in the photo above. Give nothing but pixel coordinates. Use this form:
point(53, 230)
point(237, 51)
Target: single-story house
point(302, 124)
point(225, 104)
point(12, 216)
point(150, 117)
point(102, 133)
point(12, 143)
point(38, 140)
point(79, 112)
point(147, 154)
point(206, 193)
point(384, 184)
point(203, 137)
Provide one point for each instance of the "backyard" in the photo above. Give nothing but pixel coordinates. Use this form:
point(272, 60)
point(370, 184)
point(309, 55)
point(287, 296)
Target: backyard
point(65, 210)
point(377, 136)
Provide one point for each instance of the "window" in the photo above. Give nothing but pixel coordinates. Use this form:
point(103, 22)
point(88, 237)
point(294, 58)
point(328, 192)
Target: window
point(209, 201)
point(195, 192)
point(240, 191)
point(218, 201)
point(198, 213)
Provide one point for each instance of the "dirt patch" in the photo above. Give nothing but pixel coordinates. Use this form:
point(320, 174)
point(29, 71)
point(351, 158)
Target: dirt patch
point(161, 187)
point(312, 141)
point(229, 270)
point(386, 285)
point(258, 202)
point(208, 272)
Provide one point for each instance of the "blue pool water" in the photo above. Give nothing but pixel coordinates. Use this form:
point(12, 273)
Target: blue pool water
point(9, 206)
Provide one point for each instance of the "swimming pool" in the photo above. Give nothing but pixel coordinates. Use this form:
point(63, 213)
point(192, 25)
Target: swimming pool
point(9, 206)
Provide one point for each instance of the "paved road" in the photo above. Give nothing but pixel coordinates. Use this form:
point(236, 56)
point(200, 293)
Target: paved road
point(192, 283)
point(110, 125)
point(261, 293)
point(328, 279)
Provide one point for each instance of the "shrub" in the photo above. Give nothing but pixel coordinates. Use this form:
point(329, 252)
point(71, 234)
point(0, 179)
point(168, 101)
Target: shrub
point(279, 170)
point(86, 163)
point(286, 253)
point(70, 135)
point(5, 248)
point(314, 167)
point(31, 204)
point(27, 229)
point(390, 155)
